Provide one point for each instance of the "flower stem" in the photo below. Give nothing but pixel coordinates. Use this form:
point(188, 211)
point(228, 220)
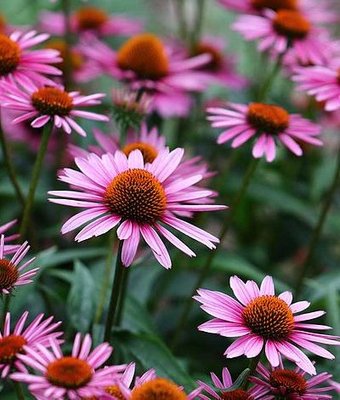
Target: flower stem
point(10, 167)
point(180, 14)
point(268, 83)
point(18, 390)
point(197, 29)
point(105, 283)
point(35, 179)
point(317, 233)
point(252, 368)
point(118, 280)
point(6, 301)
point(67, 75)
point(207, 266)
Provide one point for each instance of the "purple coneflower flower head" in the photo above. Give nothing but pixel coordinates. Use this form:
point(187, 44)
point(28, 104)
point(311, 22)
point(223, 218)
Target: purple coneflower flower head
point(144, 63)
point(221, 67)
point(261, 320)
point(11, 272)
point(322, 82)
point(12, 343)
point(23, 65)
point(315, 10)
point(44, 104)
point(141, 198)
point(9, 248)
point(291, 384)
point(223, 389)
point(285, 32)
point(267, 124)
point(75, 376)
point(90, 19)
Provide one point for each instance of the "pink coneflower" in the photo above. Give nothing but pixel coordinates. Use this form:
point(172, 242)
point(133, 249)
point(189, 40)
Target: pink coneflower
point(319, 12)
point(223, 385)
point(77, 60)
point(12, 344)
point(44, 104)
point(322, 82)
point(262, 320)
point(221, 66)
point(144, 63)
point(150, 143)
point(150, 386)
point(267, 124)
point(285, 32)
point(9, 248)
point(21, 64)
point(290, 384)
point(90, 19)
point(142, 198)
point(75, 376)
point(10, 272)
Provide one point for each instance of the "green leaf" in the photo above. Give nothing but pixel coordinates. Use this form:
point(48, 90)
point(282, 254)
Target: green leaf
point(135, 318)
point(81, 300)
point(152, 352)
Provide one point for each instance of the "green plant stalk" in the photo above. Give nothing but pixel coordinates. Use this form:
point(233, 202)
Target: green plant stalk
point(180, 14)
point(207, 266)
point(115, 293)
point(18, 390)
point(35, 179)
point(67, 73)
point(268, 83)
point(105, 283)
point(122, 297)
point(317, 232)
point(198, 25)
point(6, 302)
point(252, 368)
point(10, 167)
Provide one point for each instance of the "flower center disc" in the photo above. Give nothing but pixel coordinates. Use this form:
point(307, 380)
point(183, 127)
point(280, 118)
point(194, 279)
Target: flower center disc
point(269, 317)
point(52, 101)
point(69, 372)
point(115, 392)
point(158, 389)
point(291, 24)
point(9, 55)
point(268, 118)
point(90, 18)
point(76, 59)
point(8, 274)
point(288, 382)
point(216, 57)
point(145, 55)
point(136, 195)
point(148, 151)
point(274, 4)
point(237, 394)
point(10, 346)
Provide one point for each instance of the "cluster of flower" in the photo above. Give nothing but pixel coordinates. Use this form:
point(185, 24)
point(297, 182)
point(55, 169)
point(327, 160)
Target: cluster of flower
point(145, 190)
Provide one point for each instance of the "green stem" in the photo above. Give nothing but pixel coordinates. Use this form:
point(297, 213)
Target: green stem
point(106, 280)
point(35, 178)
point(252, 368)
point(207, 266)
point(10, 167)
point(122, 298)
point(180, 14)
point(317, 233)
point(263, 93)
point(116, 290)
point(198, 25)
point(67, 75)
point(18, 390)
point(6, 301)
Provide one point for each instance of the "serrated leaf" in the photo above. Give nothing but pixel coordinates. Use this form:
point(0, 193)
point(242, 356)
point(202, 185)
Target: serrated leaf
point(81, 300)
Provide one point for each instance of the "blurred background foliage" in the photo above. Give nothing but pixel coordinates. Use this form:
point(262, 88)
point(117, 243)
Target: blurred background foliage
point(269, 234)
